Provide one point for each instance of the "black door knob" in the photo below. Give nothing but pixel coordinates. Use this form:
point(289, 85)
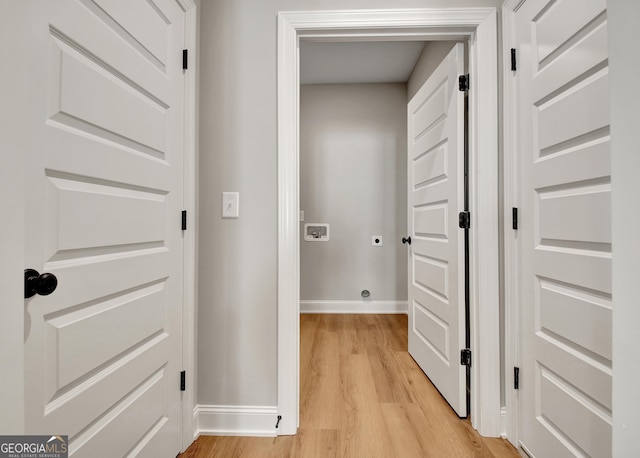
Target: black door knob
point(34, 283)
point(406, 240)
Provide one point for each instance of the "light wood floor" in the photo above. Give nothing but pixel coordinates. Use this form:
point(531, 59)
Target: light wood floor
point(362, 395)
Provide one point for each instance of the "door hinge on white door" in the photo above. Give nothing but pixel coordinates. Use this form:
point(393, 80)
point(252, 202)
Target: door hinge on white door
point(185, 59)
point(463, 83)
point(513, 60)
point(464, 220)
point(465, 357)
point(516, 378)
point(184, 220)
point(183, 381)
point(514, 218)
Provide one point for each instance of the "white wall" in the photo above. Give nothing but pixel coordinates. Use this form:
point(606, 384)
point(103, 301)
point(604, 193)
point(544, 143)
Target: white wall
point(237, 302)
point(353, 140)
point(624, 66)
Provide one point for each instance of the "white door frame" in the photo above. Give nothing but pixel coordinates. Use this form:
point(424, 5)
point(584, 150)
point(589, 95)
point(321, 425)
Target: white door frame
point(479, 25)
point(189, 298)
point(512, 342)
point(12, 291)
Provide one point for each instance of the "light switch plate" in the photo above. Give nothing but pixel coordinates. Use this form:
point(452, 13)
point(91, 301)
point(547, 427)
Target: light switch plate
point(230, 205)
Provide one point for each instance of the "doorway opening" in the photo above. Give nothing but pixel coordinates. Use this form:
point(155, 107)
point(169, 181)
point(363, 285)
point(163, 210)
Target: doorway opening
point(478, 26)
point(353, 98)
point(382, 152)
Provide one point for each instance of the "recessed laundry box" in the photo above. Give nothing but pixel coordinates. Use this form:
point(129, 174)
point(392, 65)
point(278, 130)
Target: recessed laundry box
point(316, 232)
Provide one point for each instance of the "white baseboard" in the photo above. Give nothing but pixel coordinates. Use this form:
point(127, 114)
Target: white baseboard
point(235, 420)
point(503, 422)
point(353, 307)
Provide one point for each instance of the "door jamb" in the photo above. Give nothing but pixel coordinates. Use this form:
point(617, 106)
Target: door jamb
point(510, 174)
point(189, 297)
point(480, 26)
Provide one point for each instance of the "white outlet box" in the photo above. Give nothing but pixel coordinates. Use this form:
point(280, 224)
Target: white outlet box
point(376, 240)
point(230, 205)
point(316, 232)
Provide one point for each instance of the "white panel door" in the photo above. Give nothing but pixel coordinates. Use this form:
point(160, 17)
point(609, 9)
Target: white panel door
point(103, 199)
point(565, 234)
point(435, 197)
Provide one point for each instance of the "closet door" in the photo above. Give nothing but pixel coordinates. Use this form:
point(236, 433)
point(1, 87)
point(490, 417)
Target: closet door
point(437, 260)
point(565, 228)
point(103, 352)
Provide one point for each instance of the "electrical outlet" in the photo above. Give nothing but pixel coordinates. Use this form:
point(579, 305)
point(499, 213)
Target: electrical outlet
point(376, 240)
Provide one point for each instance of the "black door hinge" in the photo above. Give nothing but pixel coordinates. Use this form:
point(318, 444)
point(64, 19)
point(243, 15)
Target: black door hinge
point(183, 381)
point(185, 59)
point(514, 217)
point(513, 60)
point(463, 83)
point(465, 357)
point(184, 220)
point(464, 220)
point(278, 422)
point(516, 378)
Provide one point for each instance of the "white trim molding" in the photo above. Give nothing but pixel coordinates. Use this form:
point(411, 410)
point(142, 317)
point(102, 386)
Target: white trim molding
point(484, 250)
point(190, 236)
point(288, 227)
point(256, 421)
point(479, 27)
point(510, 200)
point(381, 307)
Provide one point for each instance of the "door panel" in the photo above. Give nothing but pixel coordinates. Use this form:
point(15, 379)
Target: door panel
point(85, 89)
point(565, 232)
point(103, 199)
point(435, 196)
point(112, 216)
point(126, 16)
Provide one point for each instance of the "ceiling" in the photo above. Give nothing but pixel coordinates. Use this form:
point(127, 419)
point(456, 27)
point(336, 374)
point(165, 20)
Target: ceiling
point(358, 62)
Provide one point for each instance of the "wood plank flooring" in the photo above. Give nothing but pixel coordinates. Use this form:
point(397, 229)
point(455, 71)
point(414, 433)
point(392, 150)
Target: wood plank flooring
point(362, 395)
